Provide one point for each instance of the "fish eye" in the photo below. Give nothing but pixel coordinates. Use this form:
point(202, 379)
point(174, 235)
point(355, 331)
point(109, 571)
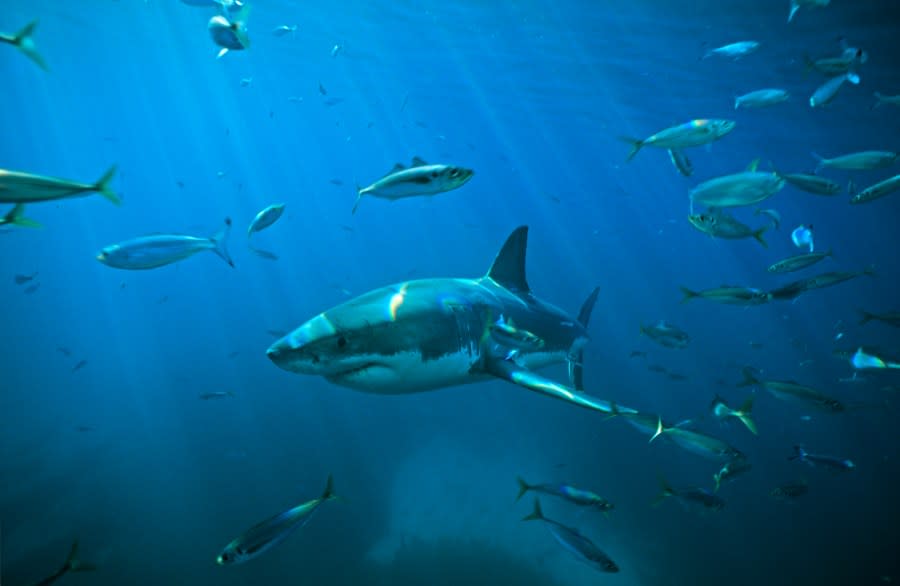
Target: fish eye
point(341, 342)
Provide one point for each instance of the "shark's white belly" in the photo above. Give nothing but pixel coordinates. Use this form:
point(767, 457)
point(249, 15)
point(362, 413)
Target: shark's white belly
point(406, 372)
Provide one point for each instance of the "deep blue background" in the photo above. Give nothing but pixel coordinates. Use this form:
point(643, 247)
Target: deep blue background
point(532, 96)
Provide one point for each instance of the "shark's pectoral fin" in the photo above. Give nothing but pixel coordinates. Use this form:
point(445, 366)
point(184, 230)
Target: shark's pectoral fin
point(512, 372)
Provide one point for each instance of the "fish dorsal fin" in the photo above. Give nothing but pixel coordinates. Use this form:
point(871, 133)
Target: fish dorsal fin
point(418, 162)
point(754, 165)
point(508, 269)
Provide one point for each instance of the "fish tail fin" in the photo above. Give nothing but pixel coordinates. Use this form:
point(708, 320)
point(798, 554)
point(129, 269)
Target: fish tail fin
point(660, 429)
point(687, 294)
point(794, 8)
point(737, 103)
point(717, 477)
point(576, 365)
point(25, 44)
point(758, 235)
point(16, 218)
point(865, 317)
point(744, 415)
point(536, 514)
point(523, 487)
point(359, 195)
point(749, 378)
point(665, 490)
point(102, 186)
point(328, 494)
point(821, 161)
point(73, 564)
point(799, 454)
point(220, 241)
point(636, 145)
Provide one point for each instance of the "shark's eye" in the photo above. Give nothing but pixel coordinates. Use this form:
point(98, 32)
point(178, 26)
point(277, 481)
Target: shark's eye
point(341, 342)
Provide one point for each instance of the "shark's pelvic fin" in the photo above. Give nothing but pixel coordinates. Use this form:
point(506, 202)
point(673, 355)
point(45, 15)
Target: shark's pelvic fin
point(576, 362)
point(512, 372)
point(508, 269)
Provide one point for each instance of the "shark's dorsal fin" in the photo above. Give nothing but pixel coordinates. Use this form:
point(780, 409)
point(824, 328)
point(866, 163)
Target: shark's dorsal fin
point(508, 269)
point(753, 166)
point(418, 162)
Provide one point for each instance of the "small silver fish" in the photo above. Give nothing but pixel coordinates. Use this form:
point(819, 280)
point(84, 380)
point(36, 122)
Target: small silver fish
point(802, 455)
point(801, 261)
point(877, 191)
point(690, 134)
point(420, 178)
point(811, 183)
point(883, 99)
point(265, 218)
point(734, 50)
point(150, 252)
point(796, 4)
point(681, 162)
point(861, 161)
point(24, 188)
point(666, 334)
point(574, 542)
point(691, 498)
point(720, 225)
point(828, 90)
point(280, 31)
point(566, 492)
point(761, 98)
point(269, 533)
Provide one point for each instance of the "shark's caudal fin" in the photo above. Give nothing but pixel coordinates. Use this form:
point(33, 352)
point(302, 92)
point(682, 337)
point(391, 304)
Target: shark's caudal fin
point(576, 363)
point(508, 269)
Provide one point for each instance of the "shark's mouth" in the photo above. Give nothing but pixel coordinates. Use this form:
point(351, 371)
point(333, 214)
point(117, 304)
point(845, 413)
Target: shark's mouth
point(355, 371)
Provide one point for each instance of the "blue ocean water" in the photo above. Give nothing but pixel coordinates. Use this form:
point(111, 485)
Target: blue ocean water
point(122, 454)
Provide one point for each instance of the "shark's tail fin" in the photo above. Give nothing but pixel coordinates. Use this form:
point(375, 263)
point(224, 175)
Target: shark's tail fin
point(220, 240)
point(15, 217)
point(576, 363)
point(523, 487)
point(25, 43)
point(537, 514)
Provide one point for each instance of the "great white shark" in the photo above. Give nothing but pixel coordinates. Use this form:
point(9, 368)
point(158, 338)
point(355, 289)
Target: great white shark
point(428, 334)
